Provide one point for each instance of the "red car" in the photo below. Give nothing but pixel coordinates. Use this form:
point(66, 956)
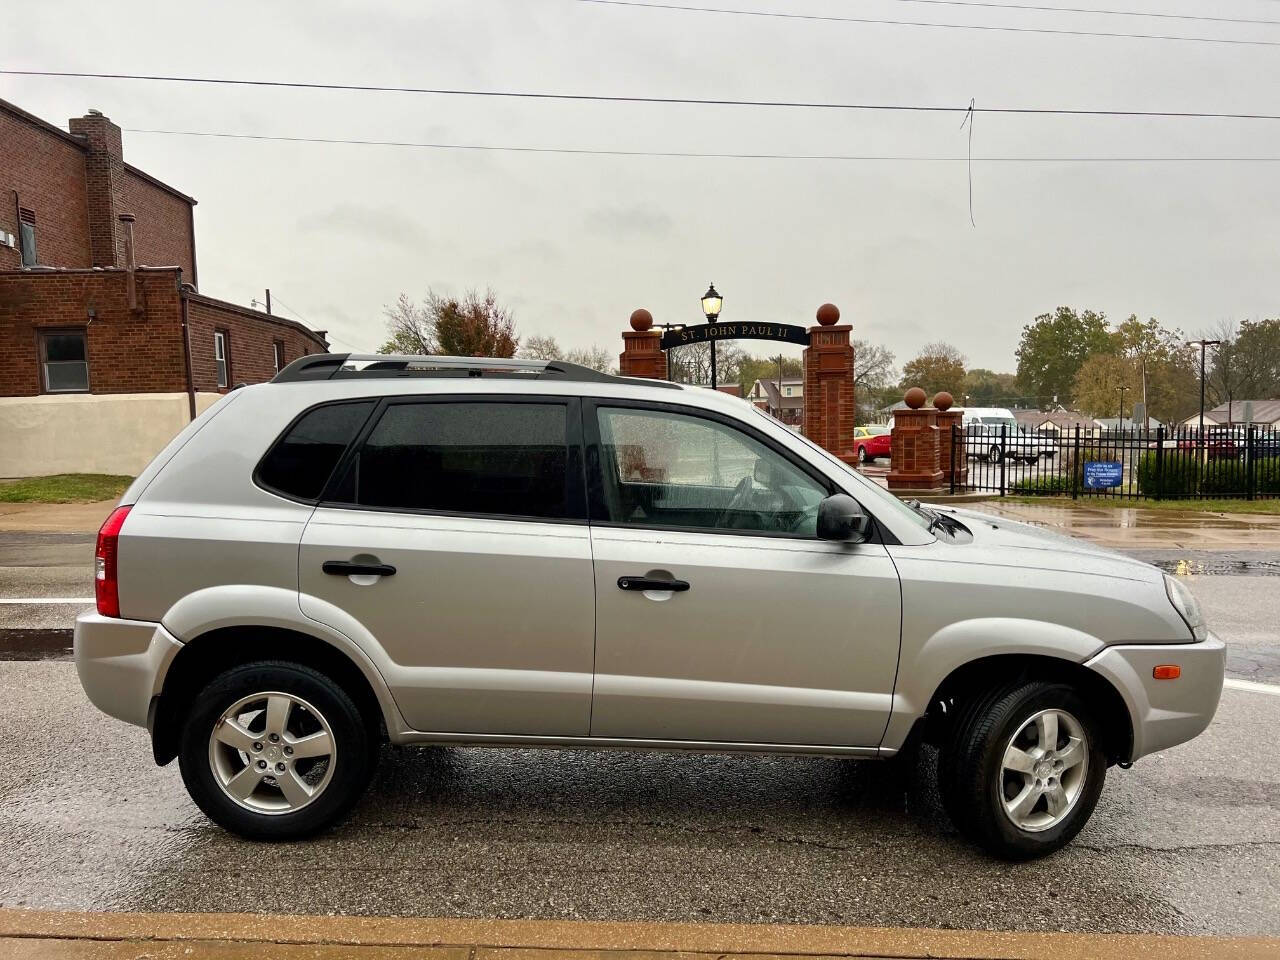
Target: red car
point(871, 442)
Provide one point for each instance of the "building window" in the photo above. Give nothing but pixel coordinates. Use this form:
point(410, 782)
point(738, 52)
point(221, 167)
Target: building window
point(64, 355)
point(278, 347)
point(222, 356)
point(27, 236)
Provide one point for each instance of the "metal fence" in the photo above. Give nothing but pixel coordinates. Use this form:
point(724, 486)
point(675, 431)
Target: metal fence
point(1225, 462)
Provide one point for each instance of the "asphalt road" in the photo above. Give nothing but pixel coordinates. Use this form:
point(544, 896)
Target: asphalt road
point(1186, 841)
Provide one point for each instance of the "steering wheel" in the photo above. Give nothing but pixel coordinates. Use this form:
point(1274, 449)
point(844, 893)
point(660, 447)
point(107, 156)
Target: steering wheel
point(740, 497)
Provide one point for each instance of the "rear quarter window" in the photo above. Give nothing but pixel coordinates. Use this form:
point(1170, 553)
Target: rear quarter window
point(298, 465)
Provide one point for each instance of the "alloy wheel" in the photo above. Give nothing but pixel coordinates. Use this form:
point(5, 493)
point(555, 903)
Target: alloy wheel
point(272, 752)
point(1043, 770)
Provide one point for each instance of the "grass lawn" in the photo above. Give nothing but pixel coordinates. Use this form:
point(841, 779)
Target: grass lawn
point(1174, 506)
point(64, 488)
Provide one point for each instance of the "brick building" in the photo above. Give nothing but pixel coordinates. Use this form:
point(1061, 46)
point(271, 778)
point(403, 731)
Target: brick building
point(106, 347)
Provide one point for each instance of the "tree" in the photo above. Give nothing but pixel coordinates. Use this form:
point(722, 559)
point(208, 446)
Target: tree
point(1098, 382)
point(874, 379)
point(548, 348)
point(692, 362)
point(986, 388)
point(1140, 353)
point(473, 326)
point(1252, 355)
point(1052, 350)
point(938, 366)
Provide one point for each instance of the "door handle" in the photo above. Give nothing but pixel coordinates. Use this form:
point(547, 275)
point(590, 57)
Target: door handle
point(649, 583)
point(350, 568)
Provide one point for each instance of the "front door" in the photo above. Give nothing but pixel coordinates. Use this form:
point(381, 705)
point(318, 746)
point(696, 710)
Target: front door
point(719, 614)
point(466, 522)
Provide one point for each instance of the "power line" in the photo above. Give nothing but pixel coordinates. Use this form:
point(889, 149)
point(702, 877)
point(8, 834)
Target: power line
point(990, 28)
point(585, 151)
point(1093, 10)
point(330, 336)
point(685, 101)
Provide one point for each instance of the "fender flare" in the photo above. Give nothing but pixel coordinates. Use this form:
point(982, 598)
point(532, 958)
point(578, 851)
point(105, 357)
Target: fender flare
point(922, 669)
point(250, 605)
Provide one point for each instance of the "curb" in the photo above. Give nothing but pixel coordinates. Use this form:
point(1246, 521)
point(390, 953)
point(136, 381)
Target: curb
point(38, 933)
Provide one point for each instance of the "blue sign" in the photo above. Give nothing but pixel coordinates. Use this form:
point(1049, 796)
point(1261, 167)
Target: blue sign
point(1103, 473)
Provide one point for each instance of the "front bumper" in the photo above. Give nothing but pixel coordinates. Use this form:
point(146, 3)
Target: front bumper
point(122, 663)
point(1165, 713)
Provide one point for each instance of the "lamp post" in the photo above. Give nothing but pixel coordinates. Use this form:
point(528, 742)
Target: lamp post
point(1120, 421)
point(711, 304)
point(1203, 344)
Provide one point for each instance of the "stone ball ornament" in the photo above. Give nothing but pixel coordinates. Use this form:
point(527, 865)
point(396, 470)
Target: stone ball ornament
point(828, 314)
point(915, 398)
point(943, 400)
point(641, 320)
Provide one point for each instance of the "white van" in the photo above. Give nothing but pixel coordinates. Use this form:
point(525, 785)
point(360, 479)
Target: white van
point(982, 427)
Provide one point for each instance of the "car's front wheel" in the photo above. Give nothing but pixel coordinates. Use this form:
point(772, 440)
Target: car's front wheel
point(1022, 769)
point(275, 751)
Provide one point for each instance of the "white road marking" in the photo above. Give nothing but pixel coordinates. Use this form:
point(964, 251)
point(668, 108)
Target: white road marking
point(1271, 689)
point(18, 600)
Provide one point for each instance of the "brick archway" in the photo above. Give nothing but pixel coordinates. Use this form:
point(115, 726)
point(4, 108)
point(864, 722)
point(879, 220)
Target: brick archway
point(829, 393)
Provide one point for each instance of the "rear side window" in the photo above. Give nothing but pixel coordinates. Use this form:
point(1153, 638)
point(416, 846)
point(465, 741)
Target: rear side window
point(497, 459)
point(300, 462)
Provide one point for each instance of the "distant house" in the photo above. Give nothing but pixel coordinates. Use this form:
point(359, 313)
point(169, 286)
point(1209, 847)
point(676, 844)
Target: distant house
point(1262, 412)
point(732, 389)
point(1113, 423)
point(1053, 421)
point(785, 403)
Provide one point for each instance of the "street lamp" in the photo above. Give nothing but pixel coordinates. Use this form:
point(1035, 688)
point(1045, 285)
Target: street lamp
point(1203, 345)
point(711, 304)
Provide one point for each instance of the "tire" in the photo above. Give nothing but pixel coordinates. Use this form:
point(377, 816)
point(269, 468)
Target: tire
point(327, 784)
point(976, 785)
point(862, 455)
point(995, 454)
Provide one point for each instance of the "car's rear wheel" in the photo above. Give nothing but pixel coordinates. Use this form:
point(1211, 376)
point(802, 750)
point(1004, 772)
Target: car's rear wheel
point(862, 455)
point(1022, 769)
point(275, 751)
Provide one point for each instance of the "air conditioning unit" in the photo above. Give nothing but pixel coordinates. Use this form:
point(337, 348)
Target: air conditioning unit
point(8, 240)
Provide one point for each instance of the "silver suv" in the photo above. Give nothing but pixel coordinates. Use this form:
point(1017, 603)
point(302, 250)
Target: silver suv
point(502, 552)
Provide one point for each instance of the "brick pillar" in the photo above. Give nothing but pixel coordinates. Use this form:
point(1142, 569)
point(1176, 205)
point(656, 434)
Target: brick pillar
point(829, 407)
point(947, 419)
point(914, 452)
point(642, 353)
point(104, 183)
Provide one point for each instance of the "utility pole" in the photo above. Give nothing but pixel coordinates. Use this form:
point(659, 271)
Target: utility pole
point(1203, 345)
point(779, 386)
point(268, 299)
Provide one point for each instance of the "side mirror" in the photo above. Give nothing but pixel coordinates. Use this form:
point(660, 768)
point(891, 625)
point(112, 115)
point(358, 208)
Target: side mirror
point(841, 518)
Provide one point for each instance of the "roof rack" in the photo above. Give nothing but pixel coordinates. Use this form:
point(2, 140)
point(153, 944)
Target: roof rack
point(368, 366)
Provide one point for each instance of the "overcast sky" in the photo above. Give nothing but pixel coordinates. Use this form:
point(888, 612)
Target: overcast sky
point(575, 243)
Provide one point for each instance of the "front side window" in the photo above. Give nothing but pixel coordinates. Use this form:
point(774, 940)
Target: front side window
point(300, 462)
point(221, 357)
point(663, 469)
point(474, 458)
point(64, 357)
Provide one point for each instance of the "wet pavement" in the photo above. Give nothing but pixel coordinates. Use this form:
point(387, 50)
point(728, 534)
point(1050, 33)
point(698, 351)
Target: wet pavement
point(1186, 841)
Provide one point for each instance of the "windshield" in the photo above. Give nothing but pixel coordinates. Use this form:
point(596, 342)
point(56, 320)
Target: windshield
point(865, 491)
point(1009, 422)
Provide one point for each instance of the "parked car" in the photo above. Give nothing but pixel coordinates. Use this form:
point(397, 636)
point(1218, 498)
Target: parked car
point(528, 553)
point(993, 434)
point(871, 442)
point(1218, 443)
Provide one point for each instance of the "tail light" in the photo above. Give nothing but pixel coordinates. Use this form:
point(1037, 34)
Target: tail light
point(106, 575)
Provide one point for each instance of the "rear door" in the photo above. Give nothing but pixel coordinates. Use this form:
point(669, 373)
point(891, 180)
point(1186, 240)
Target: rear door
point(455, 535)
point(720, 615)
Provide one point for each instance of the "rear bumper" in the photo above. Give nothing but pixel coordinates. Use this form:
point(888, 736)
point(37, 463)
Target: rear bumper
point(122, 663)
point(1165, 713)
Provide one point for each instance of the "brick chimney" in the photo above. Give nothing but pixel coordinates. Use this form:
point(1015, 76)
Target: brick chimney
point(104, 178)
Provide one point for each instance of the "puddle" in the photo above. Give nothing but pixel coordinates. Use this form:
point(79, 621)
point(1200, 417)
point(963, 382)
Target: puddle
point(35, 644)
point(1206, 563)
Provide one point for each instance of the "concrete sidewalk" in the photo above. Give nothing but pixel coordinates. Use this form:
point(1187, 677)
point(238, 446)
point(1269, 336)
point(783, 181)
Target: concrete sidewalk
point(1136, 528)
point(49, 935)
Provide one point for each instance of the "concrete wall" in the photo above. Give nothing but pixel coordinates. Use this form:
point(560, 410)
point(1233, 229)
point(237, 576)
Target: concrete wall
point(89, 433)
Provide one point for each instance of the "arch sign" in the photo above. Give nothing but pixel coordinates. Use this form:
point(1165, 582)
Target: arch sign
point(704, 332)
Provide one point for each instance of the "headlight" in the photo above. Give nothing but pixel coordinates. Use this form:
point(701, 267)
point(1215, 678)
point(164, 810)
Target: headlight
point(1184, 601)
